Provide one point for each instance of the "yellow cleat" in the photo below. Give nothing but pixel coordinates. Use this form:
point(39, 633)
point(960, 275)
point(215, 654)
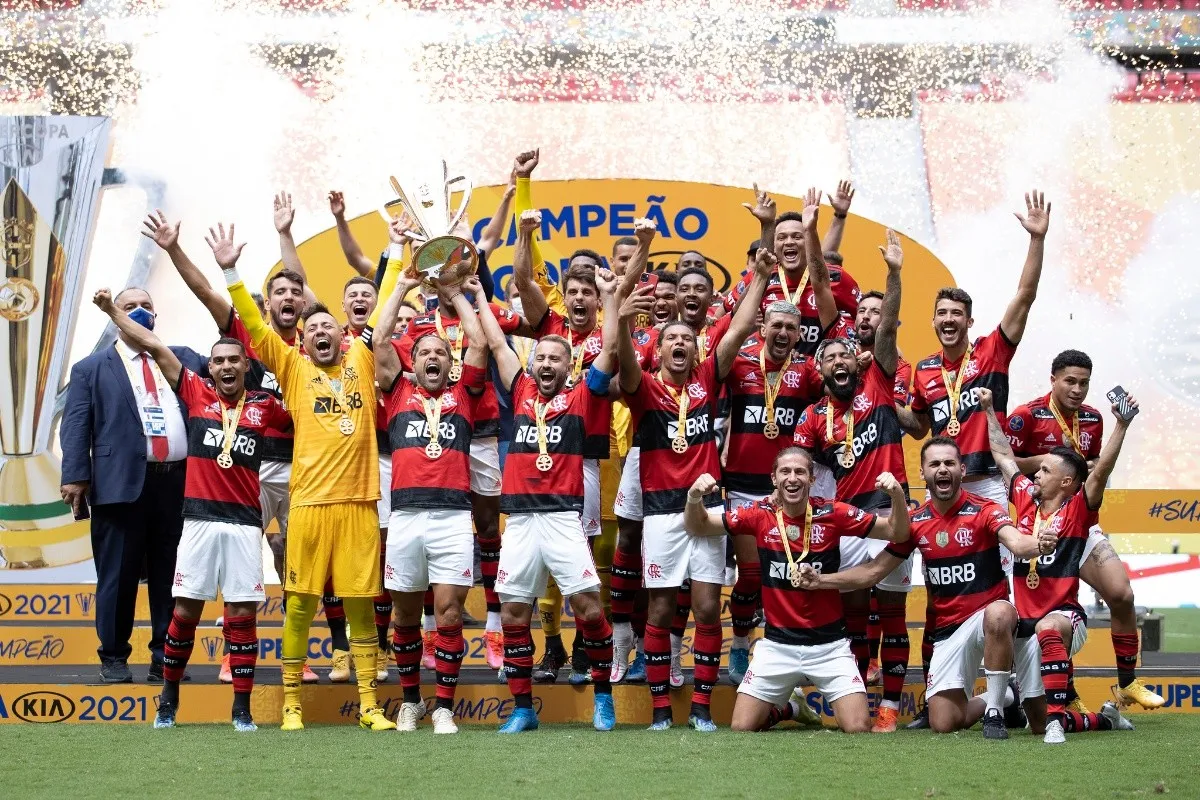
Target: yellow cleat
point(292, 719)
point(381, 666)
point(1077, 705)
point(1136, 692)
point(373, 719)
point(340, 671)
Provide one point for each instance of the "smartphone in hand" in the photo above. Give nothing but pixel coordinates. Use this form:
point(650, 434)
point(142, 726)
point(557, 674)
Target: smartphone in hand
point(1120, 398)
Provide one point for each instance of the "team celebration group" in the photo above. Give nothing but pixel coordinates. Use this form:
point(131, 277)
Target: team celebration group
point(753, 440)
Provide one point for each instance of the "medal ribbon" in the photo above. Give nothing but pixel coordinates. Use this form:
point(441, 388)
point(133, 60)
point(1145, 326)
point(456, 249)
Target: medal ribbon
point(577, 352)
point(771, 392)
point(1038, 523)
point(539, 414)
point(787, 544)
point(456, 344)
point(229, 424)
point(702, 343)
point(336, 390)
point(847, 418)
point(794, 299)
point(433, 416)
point(954, 392)
point(1071, 434)
point(683, 399)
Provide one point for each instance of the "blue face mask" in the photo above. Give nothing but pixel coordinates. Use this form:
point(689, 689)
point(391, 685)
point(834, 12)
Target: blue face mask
point(142, 317)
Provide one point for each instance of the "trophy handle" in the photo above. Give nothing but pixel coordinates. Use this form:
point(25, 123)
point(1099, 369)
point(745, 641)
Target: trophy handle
point(462, 204)
point(139, 269)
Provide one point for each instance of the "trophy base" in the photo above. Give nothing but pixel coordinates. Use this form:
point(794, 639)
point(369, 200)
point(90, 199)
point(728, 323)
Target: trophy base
point(37, 530)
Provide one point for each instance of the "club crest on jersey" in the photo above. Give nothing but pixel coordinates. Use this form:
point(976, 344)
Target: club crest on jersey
point(817, 534)
point(963, 537)
point(971, 370)
point(1085, 440)
point(254, 415)
point(791, 379)
point(593, 345)
point(1015, 423)
point(942, 538)
point(696, 391)
point(559, 403)
point(861, 402)
point(350, 374)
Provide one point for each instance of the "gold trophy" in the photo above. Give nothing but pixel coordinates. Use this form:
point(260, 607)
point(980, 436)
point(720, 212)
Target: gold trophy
point(51, 174)
point(444, 256)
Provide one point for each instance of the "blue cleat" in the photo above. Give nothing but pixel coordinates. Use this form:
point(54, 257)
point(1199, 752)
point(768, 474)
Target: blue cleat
point(579, 678)
point(662, 719)
point(637, 669)
point(702, 725)
point(165, 718)
point(604, 716)
point(739, 662)
point(521, 720)
point(243, 722)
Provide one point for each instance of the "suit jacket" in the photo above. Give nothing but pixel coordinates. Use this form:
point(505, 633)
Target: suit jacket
point(101, 430)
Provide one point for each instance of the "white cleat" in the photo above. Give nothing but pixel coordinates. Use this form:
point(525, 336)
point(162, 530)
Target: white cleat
point(1113, 714)
point(1054, 733)
point(410, 714)
point(443, 721)
point(622, 645)
point(676, 661)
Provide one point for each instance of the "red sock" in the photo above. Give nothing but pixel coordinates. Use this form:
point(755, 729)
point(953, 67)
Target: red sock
point(597, 642)
point(1125, 646)
point(406, 649)
point(518, 663)
point(874, 629)
point(626, 580)
point(743, 599)
point(242, 635)
point(856, 626)
point(683, 609)
point(448, 650)
point(181, 636)
point(658, 665)
point(489, 564)
point(776, 716)
point(1074, 722)
point(707, 654)
point(893, 653)
point(1054, 671)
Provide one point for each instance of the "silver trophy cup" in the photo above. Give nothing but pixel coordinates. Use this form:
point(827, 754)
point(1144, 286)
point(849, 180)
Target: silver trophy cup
point(445, 255)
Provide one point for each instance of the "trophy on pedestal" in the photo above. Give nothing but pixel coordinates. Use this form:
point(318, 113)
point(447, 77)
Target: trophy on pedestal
point(443, 256)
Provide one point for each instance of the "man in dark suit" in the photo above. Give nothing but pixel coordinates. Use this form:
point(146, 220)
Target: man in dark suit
point(124, 446)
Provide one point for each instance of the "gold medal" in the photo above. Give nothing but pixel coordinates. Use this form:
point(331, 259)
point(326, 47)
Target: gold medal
point(795, 298)
point(346, 426)
point(952, 427)
point(544, 462)
point(224, 461)
point(229, 422)
point(679, 444)
point(433, 450)
point(794, 575)
point(954, 390)
point(771, 391)
point(846, 459)
point(455, 373)
point(1032, 580)
point(771, 430)
point(456, 345)
point(1070, 433)
point(433, 421)
point(335, 387)
point(790, 533)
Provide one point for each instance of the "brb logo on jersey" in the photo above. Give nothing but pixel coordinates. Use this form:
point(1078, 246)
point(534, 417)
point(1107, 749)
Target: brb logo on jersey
point(241, 444)
point(695, 426)
point(419, 429)
point(527, 434)
point(755, 415)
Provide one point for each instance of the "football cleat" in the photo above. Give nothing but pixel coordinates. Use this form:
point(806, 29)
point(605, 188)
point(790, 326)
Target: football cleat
point(885, 720)
point(739, 662)
point(1113, 714)
point(292, 719)
point(243, 722)
point(637, 670)
point(874, 673)
point(521, 720)
point(429, 657)
point(1136, 692)
point(1014, 712)
point(308, 676)
point(581, 665)
point(443, 721)
point(579, 678)
point(622, 645)
point(1054, 733)
point(920, 721)
point(993, 725)
point(409, 714)
point(553, 660)
point(676, 671)
point(495, 649)
point(340, 671)
point(805, 716)
point(375, 720)
point(702, 725)
point(226, 673)
point(604, 715)
point(1077, 705)
point(165, 718)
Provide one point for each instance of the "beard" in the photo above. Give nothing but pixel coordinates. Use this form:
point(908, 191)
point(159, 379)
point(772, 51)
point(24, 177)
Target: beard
point(843, 394)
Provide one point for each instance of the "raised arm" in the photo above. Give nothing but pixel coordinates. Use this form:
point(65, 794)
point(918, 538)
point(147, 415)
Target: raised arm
point(818, 273)
point(763, 210)
point(533, 302)
point(387, 361)
point(166, 236)
point(840, 200)
point(350, 247)
point(742, 324)
point(493, 232)
point(698, 520)
point(644, 231)
point(610, 304)
point(285, 214)
point(1098, 477)
point(913, 423)
point(506, 360)
point(889, 313)
point(1025, 546)
point(893, 528)
point(1036, 221)
point(226, 253)
point(641, 301)
point(863, 576)
point(144, 338)
point(477, 342)
point(1002, 452)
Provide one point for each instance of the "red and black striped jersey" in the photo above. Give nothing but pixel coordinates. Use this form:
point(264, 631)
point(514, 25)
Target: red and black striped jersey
point(987, 369)
point(212, 492)
point(751, 454)
point(962, 558)
point(588, 346)
point(797, 616)
point(419, 481)
point(277, 444)
point(645, 341)
point(1033, 430)
point(877, 439)
point(844, 329)
point(487, 408)
point(667, 475)
point(845, 294)
point(1058, 572)
point(577, 420)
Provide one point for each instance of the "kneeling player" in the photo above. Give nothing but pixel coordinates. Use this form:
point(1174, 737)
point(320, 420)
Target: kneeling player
point(806, 640)
point(221, 546)
point(1064, 499)
point(430, 540)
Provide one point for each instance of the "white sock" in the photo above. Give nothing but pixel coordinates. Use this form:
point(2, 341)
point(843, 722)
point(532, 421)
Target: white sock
point(892, 704)
point(676, 645)
point(1009, 697)
point(493, 622)
point(430, 623)
point(640, 646)
point(740, 643)
point(997, 683)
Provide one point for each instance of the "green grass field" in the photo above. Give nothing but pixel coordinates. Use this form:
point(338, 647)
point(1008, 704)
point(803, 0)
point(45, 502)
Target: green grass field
point(1181, 627)
point(204, 761)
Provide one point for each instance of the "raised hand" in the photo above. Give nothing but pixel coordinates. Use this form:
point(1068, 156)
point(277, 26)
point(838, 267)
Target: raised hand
point(606, 281)
point(841, 199)
point(765, 262)
point(473, 285)
point(159, 231)
point(640, 302)
point(337, 204)
point(224, 250)
point(985, 398)
point(530, 221)
point(864, 359)
point(1037, 214)
point(705, 484)
point(1047, 540)
point(893, 256)
point(644, 230)
point(284, 212)
point(104, 301)
point(763, 208)
point(810, 579)
point(812, 207)
point(886, 482)
point(400, 229)
point(1116, 410)
point(526, 163)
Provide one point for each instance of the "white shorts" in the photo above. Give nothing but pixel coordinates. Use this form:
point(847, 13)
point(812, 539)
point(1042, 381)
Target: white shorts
point(485, 467)
point(1027, 653)
point(956, 661)
point(855, 551)
point(219, 555)
point(591, 497)
point(384, 503)
point(274, 496)
point(1095, 537)
point(777, 669)
point(992, 488)
point(537, 546)
point(670, 555)
point(824, 485)
point(628, 504)
point(427, 546)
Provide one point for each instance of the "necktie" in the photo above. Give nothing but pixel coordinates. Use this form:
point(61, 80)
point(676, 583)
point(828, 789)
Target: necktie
point(158, 444)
